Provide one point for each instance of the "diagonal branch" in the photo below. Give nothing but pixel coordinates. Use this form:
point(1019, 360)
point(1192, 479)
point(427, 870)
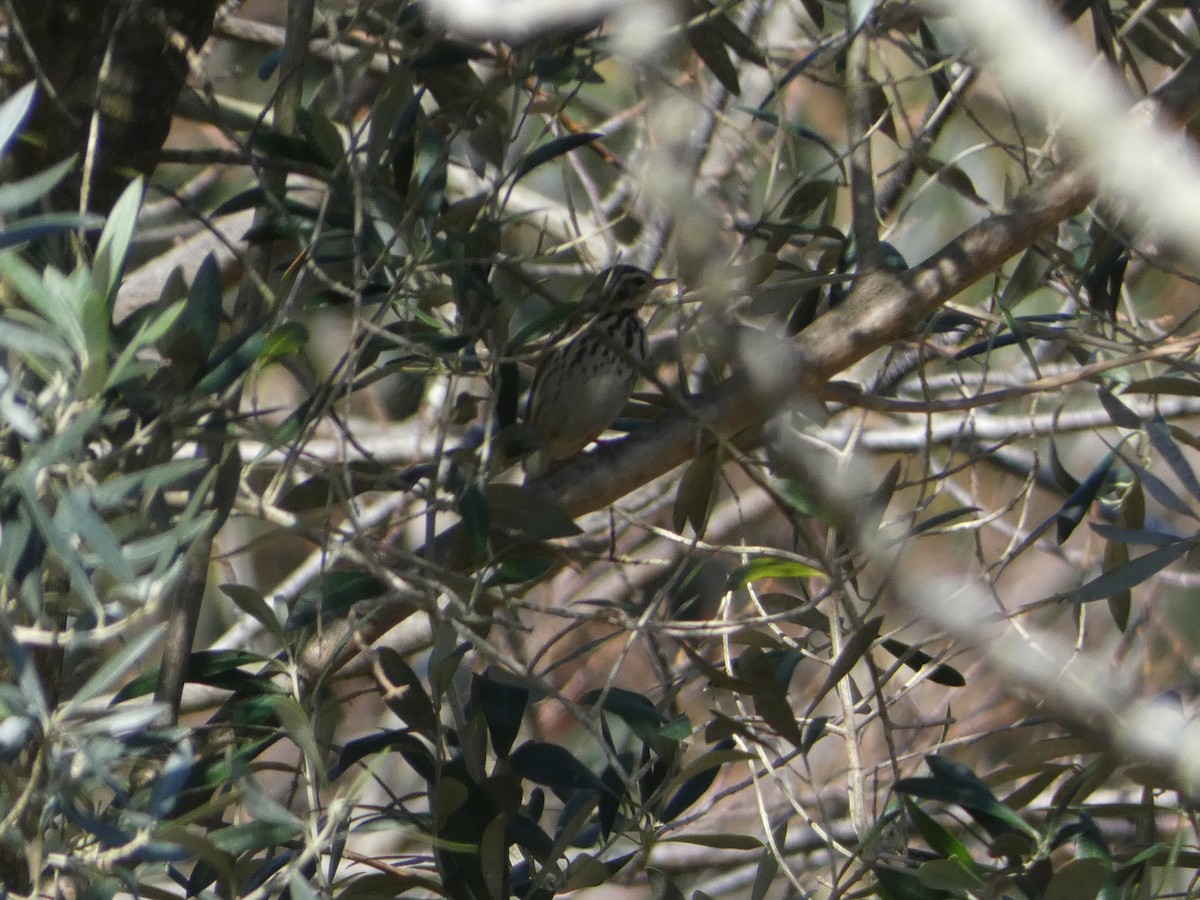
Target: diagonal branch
point(882, 308)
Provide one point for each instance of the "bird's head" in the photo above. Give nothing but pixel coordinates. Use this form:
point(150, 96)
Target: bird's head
point(621, 288)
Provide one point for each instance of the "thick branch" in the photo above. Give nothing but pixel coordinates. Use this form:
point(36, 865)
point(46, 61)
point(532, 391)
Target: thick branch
point(882, 308)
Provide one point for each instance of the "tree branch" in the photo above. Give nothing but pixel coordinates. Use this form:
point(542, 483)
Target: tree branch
point(881, 308)
point(865, 218)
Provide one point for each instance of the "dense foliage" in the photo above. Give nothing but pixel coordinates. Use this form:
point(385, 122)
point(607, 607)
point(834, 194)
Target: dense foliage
point(881, 585)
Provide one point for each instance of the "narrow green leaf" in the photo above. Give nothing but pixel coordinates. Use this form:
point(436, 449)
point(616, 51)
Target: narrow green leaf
point(190, 342)
point(729, 841)
point(635, 710)
point(876, 503)
point(153, 328)
point(218, 668)
point(284, 341)
point(58, 542)
point(403, 138)
point(415, 753)
point(1132, 573)
point(546, 323)
point(678, 729)
point(1164, 384)
point(476, 520)
point(405, 695)
point(707, 43)
point(75, 513)
point(1160, 491)
point(32, 228)
point(948, 875)
point(727, 31)
point(960, 182)
point(329, 487)
point(35, 346)
point(322, 135)
point(814, 730)
point(696, 493)
point(45, 294)
point(1154, 853)
point(768, 674)
point(662, 887)
point(1021, 339)
point(332, 595)
point(954, 783)
point(902, 884)
point(385, 113)
point(299, 729)
point(172, 779)
point(768, 863)
point(1030, 270)
point(19, 194)
point(286, 148)
point(300, 888)
point(807, 197)
point(230, 362)
point(717, 677)
point(27, 678)
point(1120, 414)
point(516, 508)
point(251, 602)
point(855, 647)
point(939, 838)
point(770, 567)
point(114, 241)
point(584, 871)
point(698, 777)
point(1130, 521)
point(1120, 603)
point(504, 704)
point(13, 113)
point(552, 150)
point(944, 518)
point(917, 660)
point(1164, 442)
point(239, 839)
point(1071, 513)
point(523, 563)
point(115, 667)
point(553, 766)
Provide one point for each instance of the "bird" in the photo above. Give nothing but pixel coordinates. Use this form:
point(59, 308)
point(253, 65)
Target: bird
point(584, 381)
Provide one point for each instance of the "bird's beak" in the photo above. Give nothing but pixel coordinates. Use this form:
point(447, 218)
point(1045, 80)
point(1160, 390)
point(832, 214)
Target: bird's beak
point(659, 282)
